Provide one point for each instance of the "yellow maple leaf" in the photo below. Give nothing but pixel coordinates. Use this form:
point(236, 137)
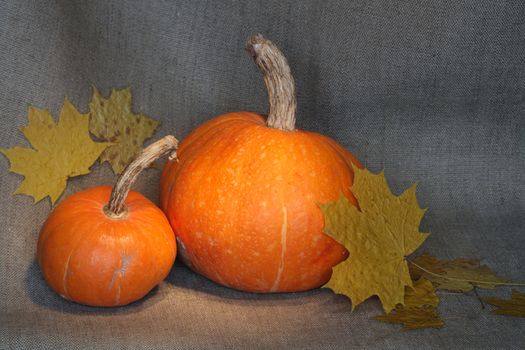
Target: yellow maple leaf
point(420, 309)
point(60, 150)
point(379, 235)
point(111, 119)
point(515, 306)
point(414, 318)
point(460, 275)
point(422, 293)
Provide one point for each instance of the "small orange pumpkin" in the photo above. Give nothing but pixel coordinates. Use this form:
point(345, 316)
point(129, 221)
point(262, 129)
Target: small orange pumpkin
point(243, 198)
point(101, 254)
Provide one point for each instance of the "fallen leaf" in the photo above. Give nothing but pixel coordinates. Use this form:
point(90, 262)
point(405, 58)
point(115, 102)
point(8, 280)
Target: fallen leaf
point(419, 310)
point(378, 237)
point(421, 294)
point(515, 306)
point(111, 119)
point(60, 150)
point(460, 275)
point(413, 317)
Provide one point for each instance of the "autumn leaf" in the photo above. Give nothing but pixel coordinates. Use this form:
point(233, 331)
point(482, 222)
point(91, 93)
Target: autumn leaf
point(378, 237)
point(111, 119)
point(420, 309)
point(515, 306)
point(460, 275)
point(60, 150)
point(421, 294)
point(413, 318)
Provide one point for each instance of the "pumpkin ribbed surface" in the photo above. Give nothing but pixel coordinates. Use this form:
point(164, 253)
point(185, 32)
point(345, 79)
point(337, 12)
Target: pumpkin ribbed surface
point(92, 259)
point(243, 202)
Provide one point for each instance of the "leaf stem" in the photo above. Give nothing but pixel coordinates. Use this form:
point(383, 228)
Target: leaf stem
point(465, 280)
point(116, 207)
point(479, 298)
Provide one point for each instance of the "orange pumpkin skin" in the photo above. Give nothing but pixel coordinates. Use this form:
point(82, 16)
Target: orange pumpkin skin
point(243, 202)
point(93, 259)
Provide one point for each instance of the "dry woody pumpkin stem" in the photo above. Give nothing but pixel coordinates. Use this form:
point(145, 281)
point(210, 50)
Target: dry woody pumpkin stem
point(167, 145)
point(279, 82)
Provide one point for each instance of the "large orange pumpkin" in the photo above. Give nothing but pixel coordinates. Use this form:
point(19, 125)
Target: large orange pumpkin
point(106, 248)
point(243, 198)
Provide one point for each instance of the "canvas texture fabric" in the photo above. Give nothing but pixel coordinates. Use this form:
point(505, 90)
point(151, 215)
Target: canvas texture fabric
point(431, 91)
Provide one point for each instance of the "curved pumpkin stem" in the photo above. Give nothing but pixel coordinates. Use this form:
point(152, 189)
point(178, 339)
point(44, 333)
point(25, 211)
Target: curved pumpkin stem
point(279, 82)
point(116, 207)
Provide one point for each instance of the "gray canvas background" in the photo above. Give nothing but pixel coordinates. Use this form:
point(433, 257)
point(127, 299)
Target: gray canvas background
point(431, 91)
